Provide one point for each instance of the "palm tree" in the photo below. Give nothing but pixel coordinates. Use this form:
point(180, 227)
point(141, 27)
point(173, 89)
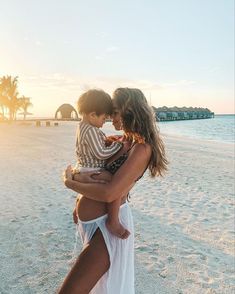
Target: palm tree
point(25, 103)
point(9, 97)
point(4, 85)
point(13, 100)
point(2, 100)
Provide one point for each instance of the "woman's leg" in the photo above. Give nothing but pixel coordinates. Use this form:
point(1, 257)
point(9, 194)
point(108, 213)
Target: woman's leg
point(90, 266)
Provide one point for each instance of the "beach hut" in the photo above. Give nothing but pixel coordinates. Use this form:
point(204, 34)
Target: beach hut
point(66, 111)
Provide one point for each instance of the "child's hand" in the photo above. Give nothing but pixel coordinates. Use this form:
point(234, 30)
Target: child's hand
point(110, 139)
point(68, 174)
point(126, 146)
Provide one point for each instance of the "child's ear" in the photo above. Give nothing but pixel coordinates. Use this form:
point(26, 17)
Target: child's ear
point(92, 114)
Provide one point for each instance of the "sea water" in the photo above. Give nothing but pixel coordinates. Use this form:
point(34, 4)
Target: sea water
point(221, 128)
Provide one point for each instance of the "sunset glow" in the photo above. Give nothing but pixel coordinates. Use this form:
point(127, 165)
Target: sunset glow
point(179, 53)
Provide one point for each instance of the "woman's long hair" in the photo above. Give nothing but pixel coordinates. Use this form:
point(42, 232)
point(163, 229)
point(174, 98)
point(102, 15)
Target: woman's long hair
point(139, 124)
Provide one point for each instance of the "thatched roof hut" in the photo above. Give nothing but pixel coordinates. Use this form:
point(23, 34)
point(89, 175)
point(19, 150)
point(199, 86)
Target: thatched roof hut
point(66, 111)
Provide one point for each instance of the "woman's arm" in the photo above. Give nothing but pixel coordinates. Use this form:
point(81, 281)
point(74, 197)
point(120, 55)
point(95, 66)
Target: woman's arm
point(121, 181)
point(93, 177)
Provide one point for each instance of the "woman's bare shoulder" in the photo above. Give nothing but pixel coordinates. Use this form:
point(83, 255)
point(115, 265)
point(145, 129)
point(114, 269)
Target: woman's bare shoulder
point(140, 154)
point(142, 149)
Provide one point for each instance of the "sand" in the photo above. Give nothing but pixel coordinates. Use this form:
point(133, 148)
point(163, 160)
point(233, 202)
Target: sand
point(184, 229)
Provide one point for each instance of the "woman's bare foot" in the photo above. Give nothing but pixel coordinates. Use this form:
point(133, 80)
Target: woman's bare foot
point(117, 229)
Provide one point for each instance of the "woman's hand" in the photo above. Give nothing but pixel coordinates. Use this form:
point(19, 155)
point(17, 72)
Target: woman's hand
point(69, 178)
point(68, 175)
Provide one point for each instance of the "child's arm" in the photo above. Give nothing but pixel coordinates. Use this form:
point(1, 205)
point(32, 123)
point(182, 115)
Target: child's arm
point(96, 142)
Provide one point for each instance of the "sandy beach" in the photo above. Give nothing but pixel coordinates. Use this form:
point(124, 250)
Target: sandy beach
point(184, 222)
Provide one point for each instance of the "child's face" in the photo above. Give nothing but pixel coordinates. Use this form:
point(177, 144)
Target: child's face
point(98, 120)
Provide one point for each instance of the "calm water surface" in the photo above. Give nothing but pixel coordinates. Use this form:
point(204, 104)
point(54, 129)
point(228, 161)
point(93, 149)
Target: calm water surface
point(220, 128)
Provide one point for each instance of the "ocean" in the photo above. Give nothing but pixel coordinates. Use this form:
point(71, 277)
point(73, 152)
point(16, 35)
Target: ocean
point(221, 128)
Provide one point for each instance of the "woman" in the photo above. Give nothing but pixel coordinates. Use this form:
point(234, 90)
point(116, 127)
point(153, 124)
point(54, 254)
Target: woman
point(106, 264)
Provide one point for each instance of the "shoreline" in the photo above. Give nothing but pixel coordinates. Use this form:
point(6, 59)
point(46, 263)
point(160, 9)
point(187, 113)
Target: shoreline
point(108, 124)
point(196, 140)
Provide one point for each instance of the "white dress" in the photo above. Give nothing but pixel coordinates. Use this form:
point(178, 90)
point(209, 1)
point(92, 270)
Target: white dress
point(119, 279)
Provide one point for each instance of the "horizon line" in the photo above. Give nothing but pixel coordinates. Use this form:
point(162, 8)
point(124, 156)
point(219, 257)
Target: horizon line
point(52, 117)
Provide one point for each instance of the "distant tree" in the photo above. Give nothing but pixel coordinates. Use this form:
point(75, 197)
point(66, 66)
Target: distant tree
point(10, 93)
point(24, 104)
point(4, 85)
point(9, 99)
point(2, 101)
point(13, 100)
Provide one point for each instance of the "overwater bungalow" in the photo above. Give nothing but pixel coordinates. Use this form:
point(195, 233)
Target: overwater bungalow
point(176, 113)
point(181, 115)
point(186, 115)
point(194, 115)
point(169, 115)
point(161, 115)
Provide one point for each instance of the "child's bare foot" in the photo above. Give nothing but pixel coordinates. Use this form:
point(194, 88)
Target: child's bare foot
point(117, 229)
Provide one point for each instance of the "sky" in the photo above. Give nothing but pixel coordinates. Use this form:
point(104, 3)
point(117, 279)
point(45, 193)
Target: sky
point(178, 52)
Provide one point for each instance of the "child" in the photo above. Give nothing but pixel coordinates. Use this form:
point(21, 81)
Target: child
point(92, 152)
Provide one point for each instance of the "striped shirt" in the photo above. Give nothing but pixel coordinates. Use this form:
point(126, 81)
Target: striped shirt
point(90, 147)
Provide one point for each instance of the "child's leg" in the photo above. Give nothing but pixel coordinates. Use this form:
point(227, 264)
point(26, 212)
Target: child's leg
point(112, 223)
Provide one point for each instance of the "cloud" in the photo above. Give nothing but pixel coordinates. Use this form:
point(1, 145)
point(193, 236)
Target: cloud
point(99, 57)
point(112, 49)
point(179, 83)
point(78, 83)
point(102, 34)
point(33, 41)
point(211, 69)
point(108, 51)
point(214, 69)
point(71, 83)
point(49, 91)
point(38, 43)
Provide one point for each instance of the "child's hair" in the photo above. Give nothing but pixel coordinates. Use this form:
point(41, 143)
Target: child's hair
point(96, 101)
